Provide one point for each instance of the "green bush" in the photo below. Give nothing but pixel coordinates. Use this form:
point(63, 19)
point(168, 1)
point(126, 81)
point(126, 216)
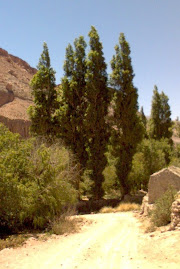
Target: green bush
point(152, 155)
point(161, 214)
point(111, 184)
point(36, 181)
point(53, 176)
point(175, 156)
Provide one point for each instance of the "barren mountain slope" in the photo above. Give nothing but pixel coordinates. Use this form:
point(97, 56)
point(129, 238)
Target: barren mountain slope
point(15, 92)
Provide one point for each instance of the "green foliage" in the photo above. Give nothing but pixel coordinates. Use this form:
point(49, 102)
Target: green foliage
point(144, 122)
point(53, 189)
point(14, 170)
point(177, 127)
point(111, 182)
point(42, 113)
point(35, 181)
point(175, 156)
point(13, 241)
point(160, 123)
point(143, 117)
point(73, 103)
point(161, 215)
point(97, 96)
point(151, 156)
point(127, 129)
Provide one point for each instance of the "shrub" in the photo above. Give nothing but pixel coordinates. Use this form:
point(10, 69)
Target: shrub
point(161, 214)
point(13, 241)
point(151, 156)
point(53, 175)
point(36, 181)
point(175, 156)
point(111, 184)
point(65, 223)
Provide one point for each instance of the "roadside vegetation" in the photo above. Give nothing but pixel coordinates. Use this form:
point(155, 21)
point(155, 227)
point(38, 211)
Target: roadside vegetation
point(122, 207)
point(161, 214)
point(36, 182)
point(13, 241)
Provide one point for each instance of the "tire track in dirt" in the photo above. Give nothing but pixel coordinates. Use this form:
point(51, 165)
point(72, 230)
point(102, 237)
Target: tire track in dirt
point(112, 241)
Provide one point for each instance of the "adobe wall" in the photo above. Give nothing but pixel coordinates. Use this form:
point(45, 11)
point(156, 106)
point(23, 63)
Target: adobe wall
point(161, 181)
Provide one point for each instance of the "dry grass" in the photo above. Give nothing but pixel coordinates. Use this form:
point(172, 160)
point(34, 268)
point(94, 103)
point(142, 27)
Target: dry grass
point(13, 241)
point(66, 223)
point(122, 207)
point(107, 209)
point(148, 226)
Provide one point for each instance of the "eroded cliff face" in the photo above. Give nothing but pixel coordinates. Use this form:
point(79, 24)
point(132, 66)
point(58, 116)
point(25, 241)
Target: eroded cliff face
point(15, 92)
point(6, 95)
point(17, 125)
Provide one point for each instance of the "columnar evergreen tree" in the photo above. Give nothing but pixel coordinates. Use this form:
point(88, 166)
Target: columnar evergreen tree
point(144, 122)
point(143, 117)
point(127, 130)
point(42, 113)
point(155, 115)
point(73, 102)
point(98, 100)
point(161, 124)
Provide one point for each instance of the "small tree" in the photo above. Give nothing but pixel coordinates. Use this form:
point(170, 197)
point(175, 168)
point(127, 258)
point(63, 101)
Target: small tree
point(42, 113)
point(127, 129)
point(161, 124)
point(177, 127)
point(98, 100)
point(151, 156)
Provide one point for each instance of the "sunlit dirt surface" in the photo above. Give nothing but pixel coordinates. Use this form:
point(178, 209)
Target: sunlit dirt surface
point(111, 241)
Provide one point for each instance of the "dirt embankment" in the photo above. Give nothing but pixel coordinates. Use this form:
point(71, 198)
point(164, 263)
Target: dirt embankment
point(111, 241)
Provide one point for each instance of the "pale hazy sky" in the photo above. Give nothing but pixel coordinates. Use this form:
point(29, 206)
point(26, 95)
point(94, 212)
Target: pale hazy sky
point(152, 28)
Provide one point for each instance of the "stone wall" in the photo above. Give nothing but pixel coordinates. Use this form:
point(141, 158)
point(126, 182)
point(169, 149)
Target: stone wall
point(160, 182)
point(175, 215)
point(146, 208)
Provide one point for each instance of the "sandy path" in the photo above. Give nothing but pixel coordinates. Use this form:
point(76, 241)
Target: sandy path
point(113, 241)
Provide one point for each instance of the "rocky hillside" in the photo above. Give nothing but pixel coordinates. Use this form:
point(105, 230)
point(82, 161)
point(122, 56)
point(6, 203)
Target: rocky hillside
point(15, 93)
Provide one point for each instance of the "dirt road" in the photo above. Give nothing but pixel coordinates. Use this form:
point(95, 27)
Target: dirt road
point(112, 241)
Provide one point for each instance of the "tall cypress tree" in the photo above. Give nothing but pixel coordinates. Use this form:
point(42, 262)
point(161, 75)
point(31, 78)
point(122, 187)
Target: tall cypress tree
point(73, 102)
point(127, 129)
point(42, 114)
point(98, 100)
point(144, 122)
point(161, 124)
point(143, 117)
